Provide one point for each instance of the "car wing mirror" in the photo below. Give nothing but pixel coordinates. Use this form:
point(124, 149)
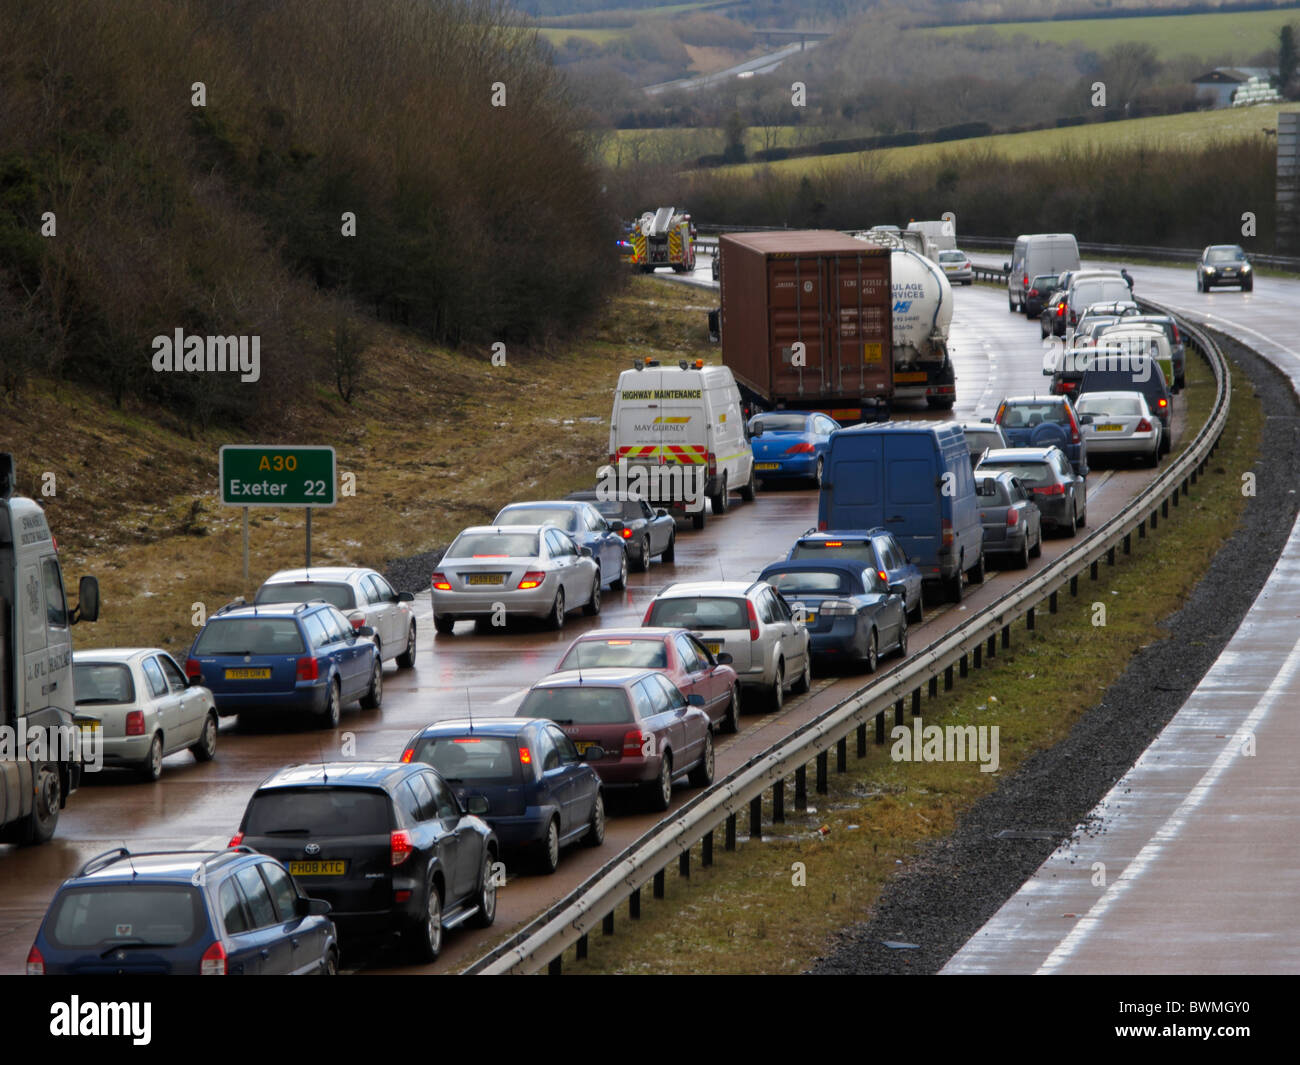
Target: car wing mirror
point(593, 754)
point(723, 658)
point(87, 601)
point(308, 907)
point(695, 700)
point(477, 805)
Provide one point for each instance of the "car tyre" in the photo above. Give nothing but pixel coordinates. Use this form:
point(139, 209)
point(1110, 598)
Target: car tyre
point(151, 768)
point(977, 571)
point(596, 826)
point(330, 966)
point(592, 607)
point(406, 660)
point(1037, 550)
point(548, 851)
point(723, 499)
point(749, 490)
point(661, 791)
point(918, 614)
point(1022, 560)
point(642, 561)
point(776, 698)
point(702, 775)
point(670, 552)
point(1153, 459)
point(698, 518)
point(872, 657)
point(619, 582)
point(1073, 528)
point(953, 586)
point(427, 943)
point(486, 899)
point(803, 683)
point(1248, 286)
point(442, 624)
point(555, 619)
point(902, 638)
point(333, 708)
point(374, 697)
point(731, 723)
point(205, 747)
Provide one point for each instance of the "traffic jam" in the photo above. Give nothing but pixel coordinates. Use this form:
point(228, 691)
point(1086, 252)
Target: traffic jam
point(335, 859)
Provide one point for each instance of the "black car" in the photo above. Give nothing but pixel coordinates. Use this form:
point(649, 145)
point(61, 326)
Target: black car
point(1040, 290)
point(1060, 494)
point(648, 532)
point(387, 845)
point(1224, 264)
point(1126, 372)
point(1055, 314)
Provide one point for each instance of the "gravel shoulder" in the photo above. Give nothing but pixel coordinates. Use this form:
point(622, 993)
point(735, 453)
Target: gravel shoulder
point(955, 885)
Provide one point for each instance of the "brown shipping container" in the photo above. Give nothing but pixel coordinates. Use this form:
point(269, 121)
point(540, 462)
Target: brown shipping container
point(823, 289)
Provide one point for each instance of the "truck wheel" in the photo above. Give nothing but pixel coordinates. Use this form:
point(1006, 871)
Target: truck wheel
point(39, 825)
point(748, 492)
point(698, 519)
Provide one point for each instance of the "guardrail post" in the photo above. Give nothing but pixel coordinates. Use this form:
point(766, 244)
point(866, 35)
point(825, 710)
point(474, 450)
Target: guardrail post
point(659, 884)
point(962, 666)
point(1195, 471)
point(934, 687)
point(1029, 619)
point(880, 728)
point(1092, 570)
point(1074, 585)
point(842, 754)
point(1142, 529)
point(729, 842)
point(582, 948)
point(607, 925)
point(993, 646)
point(947, 679)
point(1164, 507)
point(1128, 543)
point(706, 849)
point(684, 863)
point(801, 788)
point(634, 905)
point(778, 802)
point(555, 966)
point(862, 731)
point(916, 702)
point(898, 714)
point(1110, 557)
point(1184, 492)
point(756, 817)
point(822, 785)
point(1006, 636)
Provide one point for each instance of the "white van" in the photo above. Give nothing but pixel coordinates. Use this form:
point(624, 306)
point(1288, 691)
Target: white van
point(678, 436)
point(1034, 254)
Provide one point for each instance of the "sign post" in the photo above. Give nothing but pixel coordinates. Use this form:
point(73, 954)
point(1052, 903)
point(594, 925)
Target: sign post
point(272, 475)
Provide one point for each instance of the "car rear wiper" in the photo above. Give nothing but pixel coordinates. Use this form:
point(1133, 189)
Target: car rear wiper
point(563, 720)
point(136, 945)
point(286, 832)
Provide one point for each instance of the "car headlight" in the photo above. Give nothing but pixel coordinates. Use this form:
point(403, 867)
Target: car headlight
point(1245, 268)
point(1209, 269)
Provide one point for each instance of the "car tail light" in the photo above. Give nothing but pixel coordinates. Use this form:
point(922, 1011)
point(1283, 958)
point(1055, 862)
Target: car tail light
point(648, 611)
point(35, 963)
point(402, 896)
point(753, 621)
point(1074, 318)
point(1143, 426)
point(712, 460)
point(1176, 340)
point(358, 622)
point(1162, 403)
point(236, 839)
point(800, 449)
point(634, 743)
point(440, 582)
point(882, 575)
point(626, 534)
point(1025, 282)
point(946, 529)
point(399, 846)
point(135, 723)
point(1033, 292)
point(1060, 310)
point(1051, 490)
point(308, 668)
point(1070, 386)
point(532, 579)
point(213, 962)
point(1013, 517)
point(192, 669)
point(525, 756)
point(408, 754)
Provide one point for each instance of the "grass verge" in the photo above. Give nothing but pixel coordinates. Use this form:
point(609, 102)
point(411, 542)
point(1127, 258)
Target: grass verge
point(771, 906)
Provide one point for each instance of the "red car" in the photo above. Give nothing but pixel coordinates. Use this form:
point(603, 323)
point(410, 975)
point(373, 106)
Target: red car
point(678, 655)
point(634, 727)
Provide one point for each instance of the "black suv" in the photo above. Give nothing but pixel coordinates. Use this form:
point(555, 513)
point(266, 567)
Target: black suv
point(387, 845)
point(1224, 264)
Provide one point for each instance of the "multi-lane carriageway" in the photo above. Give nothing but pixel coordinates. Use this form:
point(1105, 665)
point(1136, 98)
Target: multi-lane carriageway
point(996, 353)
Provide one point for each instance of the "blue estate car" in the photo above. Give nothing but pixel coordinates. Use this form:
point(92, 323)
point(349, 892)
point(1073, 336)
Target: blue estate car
point(847, 608)
point(874, 547)
point(540, 794)
point(289, 656)
point(790, 444)
point(231, 912)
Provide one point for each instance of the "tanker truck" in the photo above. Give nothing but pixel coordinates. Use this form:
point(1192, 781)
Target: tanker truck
point(922, 313)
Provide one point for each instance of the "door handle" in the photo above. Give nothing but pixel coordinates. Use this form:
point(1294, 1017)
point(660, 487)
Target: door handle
point(264, 954)
point(294, 941)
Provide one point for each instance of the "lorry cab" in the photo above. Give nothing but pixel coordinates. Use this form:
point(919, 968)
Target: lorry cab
point(679, 433)
point(914, 480)
point(37, 701)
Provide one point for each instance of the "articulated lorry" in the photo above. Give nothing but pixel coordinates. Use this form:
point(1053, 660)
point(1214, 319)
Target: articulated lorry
point(805, 322)
point(40, 748)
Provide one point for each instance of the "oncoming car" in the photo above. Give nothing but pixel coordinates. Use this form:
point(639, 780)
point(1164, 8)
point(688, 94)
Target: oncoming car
point(1224, 264)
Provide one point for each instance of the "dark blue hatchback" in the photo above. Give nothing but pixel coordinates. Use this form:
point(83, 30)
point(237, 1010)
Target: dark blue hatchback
point(205, 913)
point(539, 792)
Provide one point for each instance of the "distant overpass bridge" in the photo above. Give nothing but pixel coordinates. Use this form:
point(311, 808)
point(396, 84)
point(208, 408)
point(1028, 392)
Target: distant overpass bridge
point(802, 36)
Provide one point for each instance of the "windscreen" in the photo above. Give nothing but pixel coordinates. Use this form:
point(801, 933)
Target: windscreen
point(618, 509)
point(1029, 472)
point(493, 545)
point(339, 595)
point(782, 423)
point(810, 582)
point(596, 654)
point(562, 517)
point(250, 636)
point(1103, 290)
point(1114, 406)
point(1027, 415)
point(578, 706)
point(856, 550)
point(102, 683)
point(951, 257)
point(705, 614)
point(471, 759)
point(126, 915)
point(320, 811)
point(991, 491)
point(1225, 255)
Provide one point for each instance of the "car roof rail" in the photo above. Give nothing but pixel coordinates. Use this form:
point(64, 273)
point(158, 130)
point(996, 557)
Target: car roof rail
point(234, 604)
point(99, 861)
point(303, 606)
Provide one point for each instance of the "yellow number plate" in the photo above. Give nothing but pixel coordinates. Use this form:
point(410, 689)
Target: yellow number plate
point(248, 674)
point(767, 465)
point(485, 578)
point(1110, 428)
point(89, 727)
point(318, 868)
point(909, 378)
point(713, 646)
point(582, 747)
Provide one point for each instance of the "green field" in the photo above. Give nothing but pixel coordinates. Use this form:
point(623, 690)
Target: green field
point(601, 27)
point(1222, 38)
point(629, 146)
point(1161, 131)
point(586, 33)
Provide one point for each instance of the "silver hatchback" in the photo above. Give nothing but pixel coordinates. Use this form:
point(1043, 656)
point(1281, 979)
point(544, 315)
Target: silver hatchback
point(1119, 423)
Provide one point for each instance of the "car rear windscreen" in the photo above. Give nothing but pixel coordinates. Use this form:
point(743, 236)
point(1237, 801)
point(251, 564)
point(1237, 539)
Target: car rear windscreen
point(782, 423)
point(578, 706)
point(705, 613)
point(1108, 405)
point(250, 636)
point(856, 550)
point(1029, 472)
point(562, 517)
point(126, 915)
point(810, 582)
point(990, 491)
point(493, 545)
point(626, 653)
point(619, 509)
point(471, 759)
point(339, 595)
point(1028, 415)
point(102, 682)
point(322, 811)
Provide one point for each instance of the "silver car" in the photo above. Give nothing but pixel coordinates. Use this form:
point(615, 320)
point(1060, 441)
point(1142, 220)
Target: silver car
point(139, 706)
point(494, 574)
point(1013, 524)
point(980, 437)
point(956, 265)
point(1119, 423)
point(769, 648)
point(362, 595)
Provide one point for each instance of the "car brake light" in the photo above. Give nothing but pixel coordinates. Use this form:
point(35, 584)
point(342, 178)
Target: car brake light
point(753, 621)
point(1025, 282)
point(532, 579)
point(1033, 292)
point(213, 962)
point(1060, 310)
point(525, 756)
point(634, 743)
point(358, 622)
point(648, 611)
point(35, 963)
point(308, 668)
point(1051, 490)
point(712, 460)
point(627, 534)
point(1143, 426)
point(236, 839)
point(834, 543)
point(399, 846)
point(882, 575)
point(192, 669)
point(1176, 333)
point(135, 723)
point(1013, 517)
point(1162, 402)
point(439, 581)
point(408, 754)
point(800, 449)
point(946, 529)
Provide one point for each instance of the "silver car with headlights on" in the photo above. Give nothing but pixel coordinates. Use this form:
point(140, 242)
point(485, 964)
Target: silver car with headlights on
point(1119, 423)
point(495, 574)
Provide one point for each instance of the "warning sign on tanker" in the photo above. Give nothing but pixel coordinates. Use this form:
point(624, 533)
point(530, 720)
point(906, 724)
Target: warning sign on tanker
point(872, 352)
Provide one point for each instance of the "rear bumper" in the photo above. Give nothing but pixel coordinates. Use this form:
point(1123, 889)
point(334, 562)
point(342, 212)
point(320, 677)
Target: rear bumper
point(802, 466)
point(845, 636)
point(535, 602)
point(627, 772)
point(308, 697)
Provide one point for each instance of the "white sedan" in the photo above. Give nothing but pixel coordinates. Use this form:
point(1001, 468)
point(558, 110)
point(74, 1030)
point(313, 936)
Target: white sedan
point(956, 265)
point(136, 706)
point(1119, 423)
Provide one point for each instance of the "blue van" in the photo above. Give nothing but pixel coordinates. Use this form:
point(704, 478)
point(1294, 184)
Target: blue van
point(913, 479)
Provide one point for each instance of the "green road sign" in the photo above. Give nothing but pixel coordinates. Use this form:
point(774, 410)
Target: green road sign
point(264, 475)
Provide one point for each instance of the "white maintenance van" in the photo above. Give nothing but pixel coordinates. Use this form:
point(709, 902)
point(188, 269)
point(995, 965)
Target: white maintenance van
point(40, 744)
point(677, 436)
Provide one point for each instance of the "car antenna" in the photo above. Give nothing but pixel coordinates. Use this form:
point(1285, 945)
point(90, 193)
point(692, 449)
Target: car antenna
point(469, 707)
